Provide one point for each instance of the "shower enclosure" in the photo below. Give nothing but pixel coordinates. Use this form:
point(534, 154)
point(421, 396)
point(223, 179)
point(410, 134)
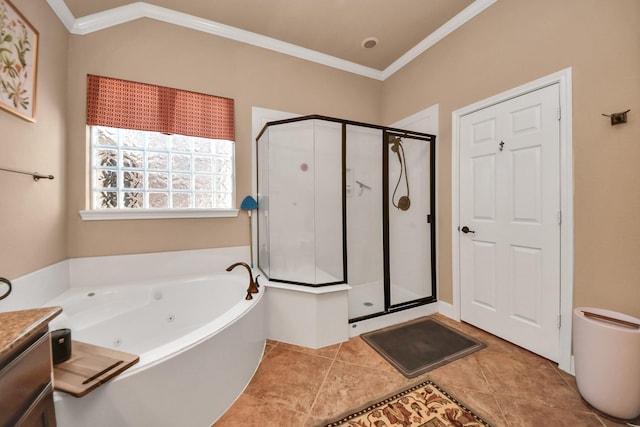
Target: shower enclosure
point(348, 202)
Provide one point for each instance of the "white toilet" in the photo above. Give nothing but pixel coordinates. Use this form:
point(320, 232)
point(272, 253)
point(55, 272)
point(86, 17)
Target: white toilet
point(607, 360)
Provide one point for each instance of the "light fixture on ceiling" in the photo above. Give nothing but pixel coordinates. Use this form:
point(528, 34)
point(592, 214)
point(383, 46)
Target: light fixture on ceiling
point(369, 42)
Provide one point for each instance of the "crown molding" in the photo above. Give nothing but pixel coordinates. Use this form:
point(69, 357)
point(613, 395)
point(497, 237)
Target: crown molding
point(447, 28)
point(122, 14)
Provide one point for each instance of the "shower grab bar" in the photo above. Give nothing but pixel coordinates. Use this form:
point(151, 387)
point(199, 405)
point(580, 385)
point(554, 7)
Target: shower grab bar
point(36, 176)
point(8, 283)
point(611, 319)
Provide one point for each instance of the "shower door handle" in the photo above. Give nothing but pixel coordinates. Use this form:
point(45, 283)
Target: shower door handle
point(466, 230)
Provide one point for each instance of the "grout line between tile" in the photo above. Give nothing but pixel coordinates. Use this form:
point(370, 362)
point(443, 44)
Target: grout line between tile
point(502, 400)
point(324, 380)
point(600, 419)
point(494, 396)
point(502, 412)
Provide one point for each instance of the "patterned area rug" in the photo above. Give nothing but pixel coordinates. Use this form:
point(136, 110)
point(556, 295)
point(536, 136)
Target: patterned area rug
point(423, 405)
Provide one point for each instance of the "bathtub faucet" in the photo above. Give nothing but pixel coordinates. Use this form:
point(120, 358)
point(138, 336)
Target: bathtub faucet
point(253, 288)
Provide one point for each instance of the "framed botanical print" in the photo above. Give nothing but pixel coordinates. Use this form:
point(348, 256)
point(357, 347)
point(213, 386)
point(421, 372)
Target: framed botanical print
point(18, 62)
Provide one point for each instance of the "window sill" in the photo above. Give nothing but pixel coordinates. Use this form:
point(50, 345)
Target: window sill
point(121, 214)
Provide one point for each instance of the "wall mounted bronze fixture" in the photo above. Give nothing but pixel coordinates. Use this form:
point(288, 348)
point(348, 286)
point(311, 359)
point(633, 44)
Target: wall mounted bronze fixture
point(7, 282)
point(36, 176)
point(617, 118)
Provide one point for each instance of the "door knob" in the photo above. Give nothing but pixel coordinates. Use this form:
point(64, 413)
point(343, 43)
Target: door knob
point(466, 230)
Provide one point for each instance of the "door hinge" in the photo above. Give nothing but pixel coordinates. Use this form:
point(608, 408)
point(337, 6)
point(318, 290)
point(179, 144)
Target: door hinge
point(559, 217)
point(559, 113)
point(559, 321)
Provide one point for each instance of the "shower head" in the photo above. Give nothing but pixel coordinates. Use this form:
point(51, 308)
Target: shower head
point(404, 203)
point(395, 143)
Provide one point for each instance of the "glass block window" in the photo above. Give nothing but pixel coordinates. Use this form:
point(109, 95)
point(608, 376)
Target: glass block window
point(134, 169)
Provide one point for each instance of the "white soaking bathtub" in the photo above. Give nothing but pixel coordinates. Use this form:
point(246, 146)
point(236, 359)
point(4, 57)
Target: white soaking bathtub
point(198, 339)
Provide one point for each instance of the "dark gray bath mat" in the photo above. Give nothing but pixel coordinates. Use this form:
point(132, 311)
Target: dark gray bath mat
point(416, 347)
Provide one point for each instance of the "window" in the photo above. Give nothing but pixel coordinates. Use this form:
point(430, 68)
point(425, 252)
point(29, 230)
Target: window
point(138, 169)
point(158, 150)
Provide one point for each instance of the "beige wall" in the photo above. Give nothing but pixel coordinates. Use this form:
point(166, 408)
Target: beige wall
point(32, 214)
point(517, 41)
point(154, 52)
point(511, 43)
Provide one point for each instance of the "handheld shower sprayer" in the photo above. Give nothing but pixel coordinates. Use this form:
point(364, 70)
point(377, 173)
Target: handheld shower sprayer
point(404, 202)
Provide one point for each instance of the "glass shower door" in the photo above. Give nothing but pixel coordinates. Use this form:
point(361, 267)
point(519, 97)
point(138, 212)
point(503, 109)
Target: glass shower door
point(364, 188)
point(410, 261)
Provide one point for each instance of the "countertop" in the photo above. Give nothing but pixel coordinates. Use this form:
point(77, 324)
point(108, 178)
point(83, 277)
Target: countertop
point(18, 327)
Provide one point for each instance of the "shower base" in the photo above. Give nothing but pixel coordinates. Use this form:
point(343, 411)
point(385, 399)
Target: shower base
point(368, 298)
point(391, 319)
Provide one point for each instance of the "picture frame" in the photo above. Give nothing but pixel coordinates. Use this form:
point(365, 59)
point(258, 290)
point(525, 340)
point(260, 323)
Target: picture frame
point(18, 62)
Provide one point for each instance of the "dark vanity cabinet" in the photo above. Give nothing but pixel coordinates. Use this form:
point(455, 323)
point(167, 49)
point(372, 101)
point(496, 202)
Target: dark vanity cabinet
point(26, 386)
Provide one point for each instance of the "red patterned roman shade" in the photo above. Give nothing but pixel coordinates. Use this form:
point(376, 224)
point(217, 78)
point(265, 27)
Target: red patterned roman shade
point(131, 105)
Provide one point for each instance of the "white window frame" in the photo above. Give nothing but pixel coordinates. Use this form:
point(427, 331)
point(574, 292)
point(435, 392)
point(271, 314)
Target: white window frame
point(121, 213)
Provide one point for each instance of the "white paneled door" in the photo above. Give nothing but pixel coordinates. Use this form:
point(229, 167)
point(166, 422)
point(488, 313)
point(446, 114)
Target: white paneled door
point(510, 220)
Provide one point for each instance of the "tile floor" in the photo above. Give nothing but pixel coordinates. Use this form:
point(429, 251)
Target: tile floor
point(508, 386)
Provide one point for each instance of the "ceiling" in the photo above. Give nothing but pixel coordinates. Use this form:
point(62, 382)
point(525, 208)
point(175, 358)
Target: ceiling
point(335, 28)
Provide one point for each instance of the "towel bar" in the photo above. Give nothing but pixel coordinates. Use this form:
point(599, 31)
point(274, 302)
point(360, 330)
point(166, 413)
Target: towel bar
point(36, 176)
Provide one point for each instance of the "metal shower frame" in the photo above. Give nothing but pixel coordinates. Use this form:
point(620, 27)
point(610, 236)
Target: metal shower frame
point(387, 132)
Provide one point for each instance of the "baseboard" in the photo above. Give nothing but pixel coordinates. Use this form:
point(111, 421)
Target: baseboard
point(572, 366)
point(447, 309)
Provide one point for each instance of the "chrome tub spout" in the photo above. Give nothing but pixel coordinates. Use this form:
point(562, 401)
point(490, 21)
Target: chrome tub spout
point(253, 288)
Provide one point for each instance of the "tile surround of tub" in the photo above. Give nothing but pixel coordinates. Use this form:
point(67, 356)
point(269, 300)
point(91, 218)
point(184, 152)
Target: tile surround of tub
point(36, 288)
point(142, 267)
